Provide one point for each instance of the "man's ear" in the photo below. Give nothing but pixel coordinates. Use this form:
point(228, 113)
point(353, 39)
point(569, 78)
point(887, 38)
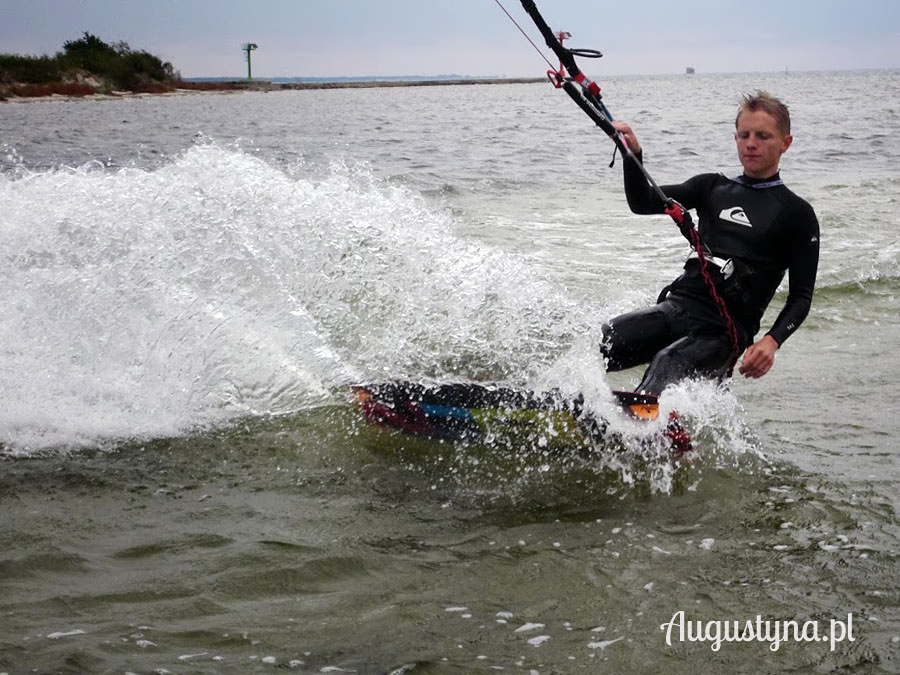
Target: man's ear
point(787, 143)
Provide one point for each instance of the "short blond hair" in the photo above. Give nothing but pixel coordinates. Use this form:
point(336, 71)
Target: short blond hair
point(763, 100)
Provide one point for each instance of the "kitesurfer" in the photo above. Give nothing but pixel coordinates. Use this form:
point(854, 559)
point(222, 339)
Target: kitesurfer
point(753, 230)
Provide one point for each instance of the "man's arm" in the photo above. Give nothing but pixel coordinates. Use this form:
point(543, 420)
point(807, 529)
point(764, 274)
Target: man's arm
point(642, 198)
point(760, 356)
point(802, 266)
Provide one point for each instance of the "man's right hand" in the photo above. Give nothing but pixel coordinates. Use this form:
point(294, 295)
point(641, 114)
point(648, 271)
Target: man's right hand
point(628, 136)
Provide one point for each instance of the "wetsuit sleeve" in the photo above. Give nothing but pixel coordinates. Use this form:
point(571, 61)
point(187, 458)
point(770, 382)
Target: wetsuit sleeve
point(803, 227)
point(643, 199)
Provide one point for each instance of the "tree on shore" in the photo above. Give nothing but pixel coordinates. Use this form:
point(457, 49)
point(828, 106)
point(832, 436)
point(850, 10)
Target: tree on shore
point(116, 65)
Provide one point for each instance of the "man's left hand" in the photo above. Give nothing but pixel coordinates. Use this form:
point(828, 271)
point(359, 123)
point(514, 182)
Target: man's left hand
point(759, 357)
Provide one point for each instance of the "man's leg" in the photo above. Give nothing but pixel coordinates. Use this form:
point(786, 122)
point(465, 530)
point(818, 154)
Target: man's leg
point(634, 338)
point(690, 356)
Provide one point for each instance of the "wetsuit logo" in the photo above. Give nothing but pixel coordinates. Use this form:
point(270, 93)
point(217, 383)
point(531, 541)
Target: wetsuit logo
point(735, 215)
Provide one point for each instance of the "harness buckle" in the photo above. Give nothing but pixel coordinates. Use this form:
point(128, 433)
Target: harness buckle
point(726, 267)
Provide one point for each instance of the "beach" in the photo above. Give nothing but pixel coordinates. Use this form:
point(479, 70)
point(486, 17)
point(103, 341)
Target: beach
point(23, 93)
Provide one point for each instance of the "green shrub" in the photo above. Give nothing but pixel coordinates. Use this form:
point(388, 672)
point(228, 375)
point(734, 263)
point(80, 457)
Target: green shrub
point(115, 64)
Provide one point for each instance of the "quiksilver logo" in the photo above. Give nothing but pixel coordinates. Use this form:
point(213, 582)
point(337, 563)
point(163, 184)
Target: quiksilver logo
point(735, 215)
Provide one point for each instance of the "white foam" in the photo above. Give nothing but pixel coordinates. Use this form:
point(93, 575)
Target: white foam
point(149, 302)
point(65, 634)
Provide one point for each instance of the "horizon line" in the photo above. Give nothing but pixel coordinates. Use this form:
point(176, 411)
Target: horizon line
point(447, 76)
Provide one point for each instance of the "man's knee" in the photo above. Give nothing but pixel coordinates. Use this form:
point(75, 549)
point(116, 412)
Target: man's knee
point(618, 353)
point(632, 339)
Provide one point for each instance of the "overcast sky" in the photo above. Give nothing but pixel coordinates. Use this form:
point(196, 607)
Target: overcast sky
point(328, 38)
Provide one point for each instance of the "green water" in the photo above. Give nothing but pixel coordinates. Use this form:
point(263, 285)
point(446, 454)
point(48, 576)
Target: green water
point(184, 489)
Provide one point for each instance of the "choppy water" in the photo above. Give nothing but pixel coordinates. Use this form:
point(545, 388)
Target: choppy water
point(190, 283)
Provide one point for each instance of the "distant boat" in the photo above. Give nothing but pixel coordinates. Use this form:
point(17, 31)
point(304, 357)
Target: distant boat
point(689, 71)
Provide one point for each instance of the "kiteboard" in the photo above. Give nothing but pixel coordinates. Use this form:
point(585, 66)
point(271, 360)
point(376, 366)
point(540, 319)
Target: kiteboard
point(477, 413)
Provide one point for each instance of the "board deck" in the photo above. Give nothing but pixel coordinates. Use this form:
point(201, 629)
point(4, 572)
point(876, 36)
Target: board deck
point(482, 414)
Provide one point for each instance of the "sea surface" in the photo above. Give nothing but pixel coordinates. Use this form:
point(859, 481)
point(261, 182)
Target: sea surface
point(191, 283)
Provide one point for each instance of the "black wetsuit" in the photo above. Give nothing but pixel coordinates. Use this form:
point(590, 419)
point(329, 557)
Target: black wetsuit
point(764, 229)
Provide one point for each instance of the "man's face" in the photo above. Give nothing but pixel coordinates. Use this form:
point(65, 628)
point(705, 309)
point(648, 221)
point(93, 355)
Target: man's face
point(759, 143)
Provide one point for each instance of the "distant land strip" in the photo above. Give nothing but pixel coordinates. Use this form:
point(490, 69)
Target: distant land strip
point(361, 84)
point(90, 90)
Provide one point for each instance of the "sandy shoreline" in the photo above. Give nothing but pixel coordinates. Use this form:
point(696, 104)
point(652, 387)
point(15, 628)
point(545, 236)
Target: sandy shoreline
point(406, 83)
point(241, 87)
